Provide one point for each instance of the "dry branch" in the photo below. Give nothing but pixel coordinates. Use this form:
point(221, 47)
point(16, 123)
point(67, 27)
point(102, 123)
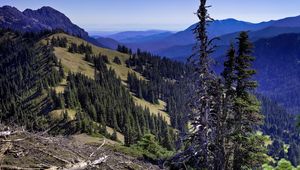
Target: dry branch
point(98, 148)
point(15, 140)
point(85, 164)
point(100, 160)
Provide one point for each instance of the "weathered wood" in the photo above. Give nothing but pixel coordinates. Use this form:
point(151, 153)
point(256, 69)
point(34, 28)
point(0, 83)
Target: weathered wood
point(5, 133)
point(11, 167)
point(15, 140)
point(3, 149)
point(98, 148)
point(86, 164)
point(100, 160)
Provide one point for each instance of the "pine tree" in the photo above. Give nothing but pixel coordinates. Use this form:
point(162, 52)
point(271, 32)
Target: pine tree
point(229, 70)
point(61, 70)
point(117, 60)
point(78, 121)
point(114, 135)
point(167, 140)
point(127, 132)
point(229, 79)
point(246, 106)
point(140, 93)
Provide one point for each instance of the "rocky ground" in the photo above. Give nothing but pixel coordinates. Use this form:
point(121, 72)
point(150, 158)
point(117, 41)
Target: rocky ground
point(24, 150)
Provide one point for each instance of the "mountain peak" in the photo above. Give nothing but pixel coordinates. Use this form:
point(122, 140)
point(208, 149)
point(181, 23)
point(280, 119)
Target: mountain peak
point(10, 9)
point(47, 8)
point(228, 20)
point(45, 18)
point(44, 9)
point(7, 7)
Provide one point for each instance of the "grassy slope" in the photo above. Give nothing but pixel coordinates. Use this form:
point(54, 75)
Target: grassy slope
point(76, 63)
point(58, 115)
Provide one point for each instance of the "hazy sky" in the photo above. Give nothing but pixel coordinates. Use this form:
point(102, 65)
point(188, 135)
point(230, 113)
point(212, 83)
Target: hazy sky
point(120, 15)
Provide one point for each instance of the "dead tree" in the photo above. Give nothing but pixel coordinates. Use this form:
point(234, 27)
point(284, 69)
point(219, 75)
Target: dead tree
point(205, 149)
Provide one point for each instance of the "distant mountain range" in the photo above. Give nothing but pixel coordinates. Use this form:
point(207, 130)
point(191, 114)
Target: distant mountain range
point(227, 32)
point(107, 42)
point(160, 42)
point(179, 45)
point(181, 52)
point(113, 40)
point(140, 36)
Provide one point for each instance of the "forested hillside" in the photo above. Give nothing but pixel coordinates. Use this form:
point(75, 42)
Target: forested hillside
point(281, 127)
point(277, 65)
point(63, 85)
point(218, 95)
point(278, 62)
point(27, 69)
point(86, 103)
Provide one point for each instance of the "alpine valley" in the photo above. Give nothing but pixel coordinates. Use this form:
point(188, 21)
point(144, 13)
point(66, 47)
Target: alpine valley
point(70, 100)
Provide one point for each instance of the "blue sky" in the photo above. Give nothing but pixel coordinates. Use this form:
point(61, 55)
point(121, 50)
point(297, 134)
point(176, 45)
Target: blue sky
point(120, 15)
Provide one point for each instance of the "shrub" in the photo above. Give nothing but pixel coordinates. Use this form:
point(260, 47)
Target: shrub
point(117, 60)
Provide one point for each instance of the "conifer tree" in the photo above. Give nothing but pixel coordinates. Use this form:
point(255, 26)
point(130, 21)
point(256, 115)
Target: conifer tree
point(202, 117)
point(140, 93)
point(229, 79)
point(246, 106)
point(204, 150)
point(114, 135)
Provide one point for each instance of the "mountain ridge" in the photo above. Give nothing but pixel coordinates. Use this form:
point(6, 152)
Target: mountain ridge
point(218, 28)
point(44, 18)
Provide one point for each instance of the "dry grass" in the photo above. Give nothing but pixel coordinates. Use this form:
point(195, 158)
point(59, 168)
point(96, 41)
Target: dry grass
point(57, 114)
point(154, 108)
point(83, 139)
point(75, 63)
point(120, 136)
point(61, 87)
point(121, 70)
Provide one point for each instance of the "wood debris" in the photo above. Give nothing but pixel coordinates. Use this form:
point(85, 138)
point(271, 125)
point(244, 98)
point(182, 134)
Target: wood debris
point(41, 151)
